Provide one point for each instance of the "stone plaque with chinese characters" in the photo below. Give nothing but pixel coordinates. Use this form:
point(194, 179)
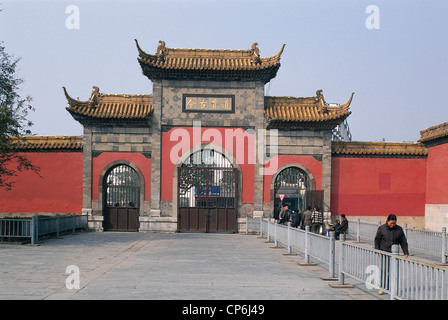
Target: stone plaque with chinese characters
point(208, 103)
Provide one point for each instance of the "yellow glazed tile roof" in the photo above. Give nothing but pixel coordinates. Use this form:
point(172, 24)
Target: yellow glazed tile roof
point(388, 149)
point(434, 132)
point(49, 142)
point(291, 110)
point(132, 107)
point(217, 64)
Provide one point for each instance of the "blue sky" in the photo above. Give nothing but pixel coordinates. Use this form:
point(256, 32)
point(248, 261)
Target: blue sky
point(398, 72)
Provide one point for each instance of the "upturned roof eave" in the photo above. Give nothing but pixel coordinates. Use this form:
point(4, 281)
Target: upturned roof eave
point(236, 65)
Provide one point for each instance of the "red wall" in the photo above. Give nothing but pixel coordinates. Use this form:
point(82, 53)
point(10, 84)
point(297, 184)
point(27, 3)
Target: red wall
point(309, 162)
point(437, 190)
point(378, 186)
point(105, 158)
point(179, 140)
point(360, 186)
point(58, 191)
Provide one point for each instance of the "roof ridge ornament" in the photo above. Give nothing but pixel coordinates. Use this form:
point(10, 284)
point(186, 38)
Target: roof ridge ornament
point(92, 102)
point(94, 97)
point(323, 107)
point(208, 64)
point(161, 51)
point(74, 102)
point(255, 53)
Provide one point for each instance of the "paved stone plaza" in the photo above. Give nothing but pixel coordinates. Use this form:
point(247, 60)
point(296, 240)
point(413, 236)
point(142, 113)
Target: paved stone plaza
point(180, 266)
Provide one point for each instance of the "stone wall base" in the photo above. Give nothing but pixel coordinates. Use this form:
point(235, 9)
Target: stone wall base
point(436, 216)
point(158, 224)
point(95, 223)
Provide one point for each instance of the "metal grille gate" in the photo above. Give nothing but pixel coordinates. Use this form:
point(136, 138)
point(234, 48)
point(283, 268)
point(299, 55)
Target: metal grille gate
point(294, 184)
point(207, 195)
point(121, 199)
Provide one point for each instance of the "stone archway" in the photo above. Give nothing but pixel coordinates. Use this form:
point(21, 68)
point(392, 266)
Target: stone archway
point(121, 190)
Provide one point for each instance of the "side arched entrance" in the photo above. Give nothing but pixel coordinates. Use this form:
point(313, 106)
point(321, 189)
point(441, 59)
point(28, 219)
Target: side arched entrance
point(297, 188)
point(207, 193)
point(121, 199)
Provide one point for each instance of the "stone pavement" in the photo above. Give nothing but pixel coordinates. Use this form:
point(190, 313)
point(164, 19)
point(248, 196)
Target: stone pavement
point(179, 266)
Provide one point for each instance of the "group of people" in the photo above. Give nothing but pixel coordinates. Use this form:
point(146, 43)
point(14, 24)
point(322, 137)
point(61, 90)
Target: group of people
point(313, 219)
point(339, 226)
point(283, 215)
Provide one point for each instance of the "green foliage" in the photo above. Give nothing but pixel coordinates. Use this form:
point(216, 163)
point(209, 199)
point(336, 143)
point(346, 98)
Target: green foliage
point(14, 125)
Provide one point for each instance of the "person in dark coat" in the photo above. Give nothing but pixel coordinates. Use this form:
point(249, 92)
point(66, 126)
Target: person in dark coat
point(335, 228)
point(344, 224)
point(342, 227)
point(284, 215)
point(389, 234)
point(306, 218)
point(295, 218)
point(276, 212)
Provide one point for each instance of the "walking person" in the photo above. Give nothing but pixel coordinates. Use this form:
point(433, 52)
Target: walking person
point(306, 218)
point(317, 220)
point(276, 212)
point(284, 215)
point(295, 218)
point(389, 234)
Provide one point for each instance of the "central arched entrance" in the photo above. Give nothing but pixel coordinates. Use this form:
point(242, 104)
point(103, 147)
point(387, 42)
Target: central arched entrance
point(207, 191)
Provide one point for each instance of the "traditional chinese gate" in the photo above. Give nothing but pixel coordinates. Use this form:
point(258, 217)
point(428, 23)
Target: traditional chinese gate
point(207, 193)
point(121, 199)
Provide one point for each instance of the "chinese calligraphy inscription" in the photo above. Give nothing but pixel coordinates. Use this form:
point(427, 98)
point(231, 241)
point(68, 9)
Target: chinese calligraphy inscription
point(208, 103)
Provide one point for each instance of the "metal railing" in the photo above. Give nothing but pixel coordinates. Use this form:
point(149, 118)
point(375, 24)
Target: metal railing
point(401, 278)
point(312, 245)
point(39, 227)
point(430, 241)
point(15, 228)
point(421, 281)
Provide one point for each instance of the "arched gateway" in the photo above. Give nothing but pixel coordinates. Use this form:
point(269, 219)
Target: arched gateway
point(196, 92)
point(207, 191)
point(294, 187)
point(121, 199)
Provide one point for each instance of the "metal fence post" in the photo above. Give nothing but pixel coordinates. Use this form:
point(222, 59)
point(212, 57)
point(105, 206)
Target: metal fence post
point(34, 229)
point(307, 256)
point(405, 230)
point(247, 222)
point(331, 254)
point(275, 234)
point(289, 236)
point(74, 223)
point(269, 231)
point(341, 276)
point(58, 221)
point(261, 227)
point(444, 253)
point(358, 230)
point(394, 271)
